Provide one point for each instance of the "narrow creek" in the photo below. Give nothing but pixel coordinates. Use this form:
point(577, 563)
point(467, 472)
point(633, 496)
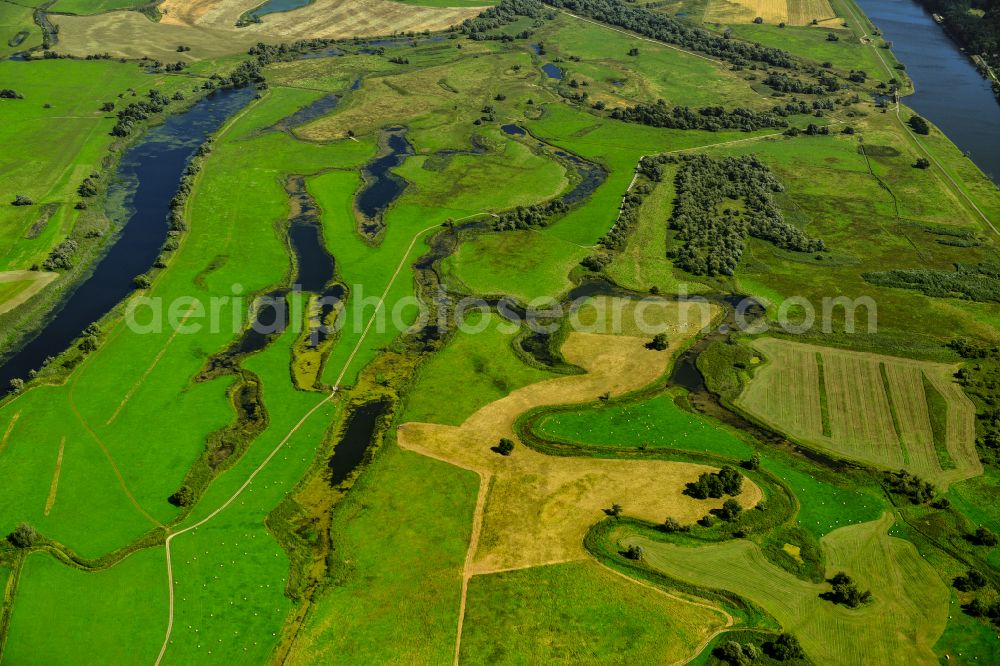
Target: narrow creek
point(145, 182)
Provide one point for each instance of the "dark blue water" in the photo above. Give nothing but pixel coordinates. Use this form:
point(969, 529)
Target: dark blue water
point(383, 187)
point(275, 6)
point(950, 92)
point(147, 179)
point(513, 130)
point(552, 71)
point(351, 449)
point(306, 114)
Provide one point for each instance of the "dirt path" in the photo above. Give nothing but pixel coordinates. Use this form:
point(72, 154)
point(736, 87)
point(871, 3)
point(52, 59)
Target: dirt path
point(9, 430)
point(54, 488)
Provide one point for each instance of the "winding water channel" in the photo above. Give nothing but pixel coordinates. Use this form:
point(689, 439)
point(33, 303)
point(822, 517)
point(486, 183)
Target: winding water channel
point(950, 91)
point(146, 181)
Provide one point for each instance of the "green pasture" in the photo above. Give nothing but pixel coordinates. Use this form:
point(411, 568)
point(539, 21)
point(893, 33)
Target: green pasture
point(481, 362)
point(903, 622)
point(16, 18)
point(119, 614)
point(831, 194)
point(128, 385)
point(94, 6)
point(49, 151)
point(399, 584)
point(654, 423)
point(577, 612)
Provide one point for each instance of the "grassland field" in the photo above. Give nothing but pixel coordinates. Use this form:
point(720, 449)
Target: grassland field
point(560, 612)
point(879, 410)
point(484, 557)
point(906, 619)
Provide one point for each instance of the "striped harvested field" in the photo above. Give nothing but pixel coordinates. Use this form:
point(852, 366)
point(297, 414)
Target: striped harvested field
point(885, 411)
point(906, 617)
point(790, 12)
point(209, 26)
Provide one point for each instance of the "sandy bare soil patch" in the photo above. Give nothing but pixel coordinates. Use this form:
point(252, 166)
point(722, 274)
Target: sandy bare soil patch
point(538, 508)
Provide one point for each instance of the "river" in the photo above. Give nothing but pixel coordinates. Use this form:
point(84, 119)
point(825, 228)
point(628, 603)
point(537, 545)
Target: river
point(147, 179)
point(950, 92)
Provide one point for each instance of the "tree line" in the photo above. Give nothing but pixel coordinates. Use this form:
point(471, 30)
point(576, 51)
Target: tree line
point(670, 30)
point(972, 282)
point(710, 118)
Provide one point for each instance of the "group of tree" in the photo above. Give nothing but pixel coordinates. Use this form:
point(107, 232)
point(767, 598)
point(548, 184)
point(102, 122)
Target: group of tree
point(727, 481)
point(970, 582)
point(910, 486)
point(24, 536)
point(22, 200)
point(136, 112)
point(628, 217)
point(710, 236)
point(784, 648)
point(711, 118)
point(984, 536)
point(919, 125)
point(504, 447)
point(670, 30)
point(846, 592)
point(7, 93)
point(973, 282)
point(527, 217)
point(735, 653)
point(61, 256)
point(786, 84)
point(981, 382)
point(504, 13)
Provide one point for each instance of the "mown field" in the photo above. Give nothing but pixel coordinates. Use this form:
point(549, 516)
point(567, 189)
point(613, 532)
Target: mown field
point(773, 12)
point(890, 412)
point(209, 26)
point(907, 615)
point(561, 613)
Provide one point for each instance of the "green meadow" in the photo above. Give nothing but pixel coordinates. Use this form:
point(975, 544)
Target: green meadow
point(561, 613)
point(271, 561)
point(54, 138)
point(480, 360)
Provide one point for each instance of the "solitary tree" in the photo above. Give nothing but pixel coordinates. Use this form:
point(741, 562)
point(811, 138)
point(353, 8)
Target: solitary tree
point(23, 536)
point(16, 385)
point(922, 163)
point(660, 342)
point(615, 510)
point(183, 497)
point(505, 447)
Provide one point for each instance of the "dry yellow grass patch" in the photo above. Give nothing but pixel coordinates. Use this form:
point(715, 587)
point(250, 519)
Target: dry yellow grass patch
point(54, 487)
point(876, 407)
point(536, 509)
point(38, 282)
point(209, 26)
point(790, 12)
